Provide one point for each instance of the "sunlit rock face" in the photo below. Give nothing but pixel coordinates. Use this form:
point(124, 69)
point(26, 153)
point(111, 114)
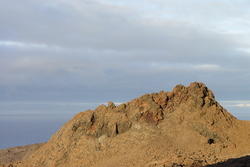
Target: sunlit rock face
point(184, 127)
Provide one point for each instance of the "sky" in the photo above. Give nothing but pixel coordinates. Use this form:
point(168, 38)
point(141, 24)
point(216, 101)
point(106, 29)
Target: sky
point(109, 50)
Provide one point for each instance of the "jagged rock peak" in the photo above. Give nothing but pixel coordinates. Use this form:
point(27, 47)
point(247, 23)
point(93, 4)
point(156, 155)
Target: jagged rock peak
point(196, 91)
point(111, 120)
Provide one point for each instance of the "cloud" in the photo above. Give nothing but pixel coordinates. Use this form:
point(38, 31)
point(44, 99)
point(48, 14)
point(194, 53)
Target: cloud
point(103, 49)
point(235, 103)
point(21, 44)
point(245, 50)
point(242, 105)
point(27, 46)
point(207, 67)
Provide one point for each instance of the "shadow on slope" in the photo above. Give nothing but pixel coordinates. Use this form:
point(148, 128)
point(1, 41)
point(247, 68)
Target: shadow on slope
point(236, 162)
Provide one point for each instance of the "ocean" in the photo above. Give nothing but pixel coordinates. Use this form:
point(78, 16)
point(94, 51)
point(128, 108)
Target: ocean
point(23, 123)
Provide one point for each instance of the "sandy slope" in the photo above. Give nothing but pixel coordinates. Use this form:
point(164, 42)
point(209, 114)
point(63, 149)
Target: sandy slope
point(17, 153)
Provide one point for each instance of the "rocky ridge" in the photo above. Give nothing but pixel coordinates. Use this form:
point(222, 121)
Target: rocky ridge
point(184, 127)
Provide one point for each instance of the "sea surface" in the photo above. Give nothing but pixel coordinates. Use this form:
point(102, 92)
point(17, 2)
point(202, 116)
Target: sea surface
point(23, 123)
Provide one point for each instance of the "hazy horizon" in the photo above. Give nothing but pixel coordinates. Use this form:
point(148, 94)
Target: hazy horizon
point(23, 123)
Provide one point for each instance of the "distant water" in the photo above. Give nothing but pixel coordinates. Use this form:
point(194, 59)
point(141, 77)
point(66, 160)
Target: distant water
point(24, 123)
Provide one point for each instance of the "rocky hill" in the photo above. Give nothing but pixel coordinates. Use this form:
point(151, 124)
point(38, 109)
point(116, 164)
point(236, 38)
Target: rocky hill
point(184, 127)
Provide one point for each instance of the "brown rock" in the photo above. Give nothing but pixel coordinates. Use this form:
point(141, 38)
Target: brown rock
point(185, 127)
